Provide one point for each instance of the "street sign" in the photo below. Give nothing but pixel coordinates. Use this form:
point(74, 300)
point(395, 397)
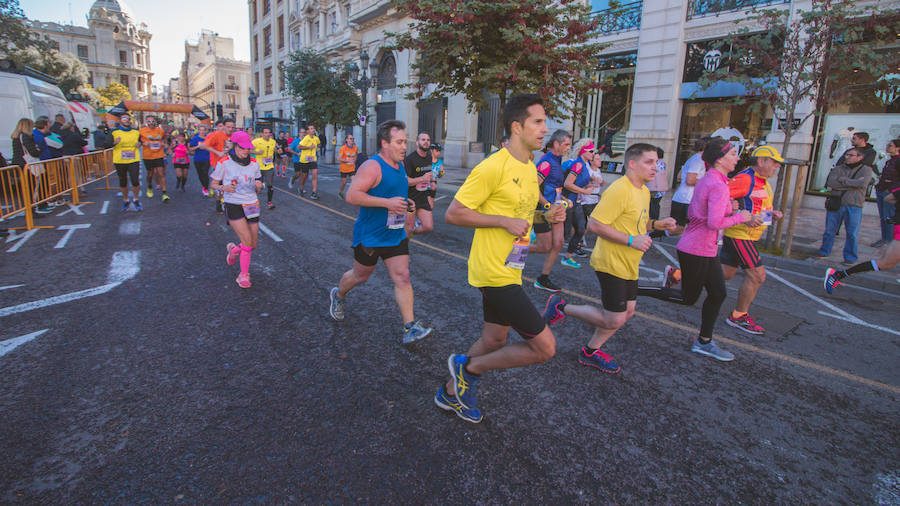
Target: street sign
point(362, 121)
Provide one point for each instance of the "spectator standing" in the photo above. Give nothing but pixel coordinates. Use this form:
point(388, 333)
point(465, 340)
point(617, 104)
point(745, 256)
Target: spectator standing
point(889, 180)
point(847, 181)
point(860, 140)
point(24, 151)
point(59, 123)
point(102, 137)
point(73, 142)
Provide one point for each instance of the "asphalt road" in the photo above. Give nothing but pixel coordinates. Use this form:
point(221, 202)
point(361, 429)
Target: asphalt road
point(156, 379)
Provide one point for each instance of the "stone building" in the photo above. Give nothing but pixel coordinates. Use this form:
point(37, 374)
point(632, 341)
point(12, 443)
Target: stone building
point(211, 76)
point(269, 49)
point(114, 47)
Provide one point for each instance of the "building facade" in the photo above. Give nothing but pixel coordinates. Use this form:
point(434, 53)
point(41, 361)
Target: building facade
point(210, 76)
point(270, 45)
point(113, 46)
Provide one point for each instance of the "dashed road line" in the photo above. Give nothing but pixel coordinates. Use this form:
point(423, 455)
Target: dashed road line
point(11, 344)
point(105, 207)
point(10, 286)
point(266, 230)
point(131, 227)
point(70, 230)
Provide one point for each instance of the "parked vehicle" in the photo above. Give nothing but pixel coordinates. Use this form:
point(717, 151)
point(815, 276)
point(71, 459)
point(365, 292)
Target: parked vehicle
point(27, 95)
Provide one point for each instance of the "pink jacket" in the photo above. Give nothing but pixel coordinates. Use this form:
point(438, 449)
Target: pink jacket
point(710, 213)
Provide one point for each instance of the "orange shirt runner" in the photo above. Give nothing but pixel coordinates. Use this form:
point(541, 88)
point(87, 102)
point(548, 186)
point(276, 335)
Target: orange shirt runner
point(348, 152)
point(152, 140)
point(215, 140)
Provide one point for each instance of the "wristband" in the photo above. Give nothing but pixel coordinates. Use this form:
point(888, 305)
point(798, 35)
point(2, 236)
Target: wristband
point(652, 224)
point(546, 206)
point(630, 239)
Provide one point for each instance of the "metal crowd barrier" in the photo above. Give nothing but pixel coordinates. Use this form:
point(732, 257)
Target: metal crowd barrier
point(23, 189)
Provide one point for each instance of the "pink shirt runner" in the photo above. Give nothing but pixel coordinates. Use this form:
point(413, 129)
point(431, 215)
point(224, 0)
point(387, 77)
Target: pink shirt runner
point(709, 214)
point(180, 154)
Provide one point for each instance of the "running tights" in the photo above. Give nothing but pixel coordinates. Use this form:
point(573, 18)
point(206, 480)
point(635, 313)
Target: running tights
point(697, 273)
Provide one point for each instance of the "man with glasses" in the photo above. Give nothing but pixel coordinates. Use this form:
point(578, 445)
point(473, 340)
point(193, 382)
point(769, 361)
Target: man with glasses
point(848, 182)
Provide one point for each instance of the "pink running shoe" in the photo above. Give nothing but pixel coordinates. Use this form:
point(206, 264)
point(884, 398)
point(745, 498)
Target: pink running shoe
point(233, 251)
point(243, 280)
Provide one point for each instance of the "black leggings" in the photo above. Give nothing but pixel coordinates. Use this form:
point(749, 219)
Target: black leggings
point(202, 173)
point(576, 219)
point(697, 273)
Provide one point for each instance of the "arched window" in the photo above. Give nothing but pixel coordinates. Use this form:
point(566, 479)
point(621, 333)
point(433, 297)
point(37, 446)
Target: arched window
point(387, 73)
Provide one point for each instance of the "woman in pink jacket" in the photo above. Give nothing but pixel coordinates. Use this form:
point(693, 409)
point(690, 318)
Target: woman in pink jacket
point(710, 213)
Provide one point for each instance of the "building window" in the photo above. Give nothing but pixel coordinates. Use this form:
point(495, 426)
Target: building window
point(140, 84)
point(267, 6)
point(318, 31)
point(137, 58)
point(346, 14)
point(295, 41)
point(256, 47)
point(267, 40)
point(123, 58)
point(332, 22)
point(82, 52)
point(124, 80)
point(231, 101)
point(280, 32)
point(256, 81)
point(281, 79)
point(267, 76)
point(90, 78)
point(231, 80)
point(253, 11)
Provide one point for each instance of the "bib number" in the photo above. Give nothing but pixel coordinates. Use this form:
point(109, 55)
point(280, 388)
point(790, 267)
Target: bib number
point(396, 220)
point(309, 159)
point(155, 145)
point(267, 161)
point(516, 257)
point(180, 160)
point(251, 210)
point(766, 216)
point(128, 155)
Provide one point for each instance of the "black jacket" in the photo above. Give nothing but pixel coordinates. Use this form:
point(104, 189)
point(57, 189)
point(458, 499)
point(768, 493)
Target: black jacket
point(73, 143)
point(18, 149)
point(103, 139)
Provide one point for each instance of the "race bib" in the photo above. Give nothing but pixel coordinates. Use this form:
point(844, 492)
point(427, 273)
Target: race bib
point(766, 215)
point(309, 159)
point(267, 161)
point(423, 186)
point(396, 220)
point(180, 160)
point(251, 210)
point(128, 155)
point(516, 257)
point(155, 145)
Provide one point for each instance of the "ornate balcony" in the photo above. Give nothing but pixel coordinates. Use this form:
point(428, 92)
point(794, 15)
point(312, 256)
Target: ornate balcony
point(703, 8)
point(621, 18)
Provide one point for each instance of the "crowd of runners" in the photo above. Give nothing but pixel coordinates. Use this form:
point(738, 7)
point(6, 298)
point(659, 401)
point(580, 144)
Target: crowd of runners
point(516, 207)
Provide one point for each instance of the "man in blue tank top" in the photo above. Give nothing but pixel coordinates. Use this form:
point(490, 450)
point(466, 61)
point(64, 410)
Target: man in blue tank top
point(380, 190)
point(550, 235)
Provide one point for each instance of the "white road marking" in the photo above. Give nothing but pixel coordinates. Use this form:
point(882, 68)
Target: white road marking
point(861, 322)
point(667, 255)
point(22, 238)
point(73, 208)
point(132, 227)
point(830, 306)
point(105, 207)
point(8, 287)
point(70, 229)
point(441, 197)
point(124, 266)
point(266, 230)
point(11, 344)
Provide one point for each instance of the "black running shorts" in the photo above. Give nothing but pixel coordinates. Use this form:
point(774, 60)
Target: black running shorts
point(369, 256)
point(236, 212)
point(305, 167)
point(128, 170)
point(680, 213)
point(420, 199)
point(616, 292)
point(155, 162)
point(510, 306)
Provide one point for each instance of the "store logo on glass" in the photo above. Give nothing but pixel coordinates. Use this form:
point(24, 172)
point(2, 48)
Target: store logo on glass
point(712, 60)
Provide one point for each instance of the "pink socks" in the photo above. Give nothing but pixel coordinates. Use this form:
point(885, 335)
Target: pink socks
point(246, 252)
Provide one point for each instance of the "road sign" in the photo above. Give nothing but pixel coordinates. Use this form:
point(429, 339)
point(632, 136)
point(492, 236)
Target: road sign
point(362, 121)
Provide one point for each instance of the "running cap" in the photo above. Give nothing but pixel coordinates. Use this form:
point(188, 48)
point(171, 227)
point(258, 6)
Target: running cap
point(767, 152)
point(587, 147)
point(242, 139)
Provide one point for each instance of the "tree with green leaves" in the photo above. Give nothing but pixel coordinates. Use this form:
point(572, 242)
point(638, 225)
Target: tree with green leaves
point(114, 93)
point(500, 48)
point(14, 33)
point(323, 89)
point(800, 62)
point(70, 72)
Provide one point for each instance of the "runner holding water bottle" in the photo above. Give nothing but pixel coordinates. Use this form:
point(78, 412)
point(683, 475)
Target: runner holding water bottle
point(751, 189)
point(238, 176)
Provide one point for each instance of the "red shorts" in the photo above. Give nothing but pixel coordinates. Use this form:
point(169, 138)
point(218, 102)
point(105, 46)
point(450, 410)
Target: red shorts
point(740, 253)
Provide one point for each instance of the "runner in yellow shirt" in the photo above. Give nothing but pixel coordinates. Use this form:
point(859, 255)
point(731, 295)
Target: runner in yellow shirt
point(264, 148)
point(308, 146)
point(127, 160)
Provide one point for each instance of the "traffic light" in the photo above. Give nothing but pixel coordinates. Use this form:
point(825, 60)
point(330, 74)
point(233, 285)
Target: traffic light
point(219, 113)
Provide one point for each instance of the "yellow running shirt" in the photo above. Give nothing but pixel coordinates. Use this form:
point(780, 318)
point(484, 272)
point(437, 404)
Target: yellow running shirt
point(309, 145)
point(267, 152)
point(126, 151)
point(625, 208)
point(504, 186)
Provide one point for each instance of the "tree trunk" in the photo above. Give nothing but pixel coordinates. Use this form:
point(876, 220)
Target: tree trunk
point(780, 197)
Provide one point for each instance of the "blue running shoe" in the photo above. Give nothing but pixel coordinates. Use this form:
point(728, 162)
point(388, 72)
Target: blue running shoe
point(464, 383)
point(598, 359)
point(449, 403)
point(568, 262)
point(553, 311)
point(137, 206)
point(831, 280)
point(126, 205)
point(711, 349)
point(416, 332)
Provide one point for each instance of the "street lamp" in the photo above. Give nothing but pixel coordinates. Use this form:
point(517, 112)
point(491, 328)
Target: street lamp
point(363, 84)
point(252, 99)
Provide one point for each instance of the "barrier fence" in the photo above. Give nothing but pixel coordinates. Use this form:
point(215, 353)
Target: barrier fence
point(22, 189)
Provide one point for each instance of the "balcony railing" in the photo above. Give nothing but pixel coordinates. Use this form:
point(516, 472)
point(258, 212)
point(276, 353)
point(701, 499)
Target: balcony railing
point(702, 8)
point(232, 87)
point(619, 19)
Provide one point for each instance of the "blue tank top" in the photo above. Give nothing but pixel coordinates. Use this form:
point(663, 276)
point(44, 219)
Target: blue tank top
point(581, 179)
point(550, 166)
point(371, 227)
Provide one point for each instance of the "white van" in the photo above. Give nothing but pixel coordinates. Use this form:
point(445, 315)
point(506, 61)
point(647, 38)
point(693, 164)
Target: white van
point(23, 96)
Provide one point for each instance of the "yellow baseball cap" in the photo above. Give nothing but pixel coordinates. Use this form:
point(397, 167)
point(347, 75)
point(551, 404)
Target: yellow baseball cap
point(767, 152)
